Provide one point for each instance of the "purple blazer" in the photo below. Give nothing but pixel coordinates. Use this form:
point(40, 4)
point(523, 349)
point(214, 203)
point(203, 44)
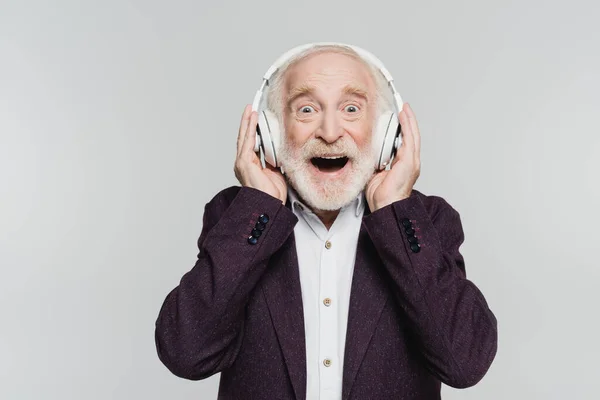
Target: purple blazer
point(415, 321)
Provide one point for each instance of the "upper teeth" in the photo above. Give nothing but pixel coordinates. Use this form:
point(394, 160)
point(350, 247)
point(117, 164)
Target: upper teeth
point(333, 157)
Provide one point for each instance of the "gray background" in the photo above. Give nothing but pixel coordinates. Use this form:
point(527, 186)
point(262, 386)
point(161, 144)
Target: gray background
point(118, 122)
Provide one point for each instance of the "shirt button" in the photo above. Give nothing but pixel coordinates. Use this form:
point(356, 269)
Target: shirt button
point(327, 362)
point(328, 244)
point(327, 301)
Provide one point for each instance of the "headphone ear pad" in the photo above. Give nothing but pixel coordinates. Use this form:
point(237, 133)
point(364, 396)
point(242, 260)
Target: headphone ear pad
point(385, 138)
point(268, 125)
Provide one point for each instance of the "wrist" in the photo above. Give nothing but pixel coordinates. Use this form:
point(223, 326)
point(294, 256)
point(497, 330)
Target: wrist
point(378, 204)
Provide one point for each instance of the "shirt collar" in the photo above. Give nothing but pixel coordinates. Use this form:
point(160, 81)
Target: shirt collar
point(298, 206)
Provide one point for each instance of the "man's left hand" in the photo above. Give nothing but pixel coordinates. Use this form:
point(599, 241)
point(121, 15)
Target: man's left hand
point(389, 186)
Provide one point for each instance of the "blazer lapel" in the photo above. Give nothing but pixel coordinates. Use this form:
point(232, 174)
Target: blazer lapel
point(368, 295)
point(283, 294)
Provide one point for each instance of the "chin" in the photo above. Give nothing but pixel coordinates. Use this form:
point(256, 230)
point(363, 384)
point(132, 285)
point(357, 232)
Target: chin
point(328, 177)
point(329, 189)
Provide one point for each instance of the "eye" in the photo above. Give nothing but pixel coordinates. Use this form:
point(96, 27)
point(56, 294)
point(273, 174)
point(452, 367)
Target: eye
point(351, 108)
point(306, 109)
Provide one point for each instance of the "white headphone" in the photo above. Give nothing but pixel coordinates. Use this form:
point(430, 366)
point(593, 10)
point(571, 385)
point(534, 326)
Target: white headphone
point(386, 139)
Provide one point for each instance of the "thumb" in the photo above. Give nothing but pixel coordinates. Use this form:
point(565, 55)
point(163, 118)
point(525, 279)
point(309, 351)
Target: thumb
point(272, 168)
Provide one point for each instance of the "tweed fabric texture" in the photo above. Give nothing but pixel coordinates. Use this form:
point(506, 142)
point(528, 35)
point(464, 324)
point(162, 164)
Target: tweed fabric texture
point(415, 321)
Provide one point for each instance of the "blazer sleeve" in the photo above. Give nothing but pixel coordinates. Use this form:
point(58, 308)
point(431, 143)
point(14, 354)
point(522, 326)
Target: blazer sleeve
point(200, 325)
point(455, 329)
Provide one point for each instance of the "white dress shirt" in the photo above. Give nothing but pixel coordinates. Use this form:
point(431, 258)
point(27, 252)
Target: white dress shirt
point(326, 264)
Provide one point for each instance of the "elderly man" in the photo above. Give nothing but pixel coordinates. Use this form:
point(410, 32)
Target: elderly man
point(332, 279)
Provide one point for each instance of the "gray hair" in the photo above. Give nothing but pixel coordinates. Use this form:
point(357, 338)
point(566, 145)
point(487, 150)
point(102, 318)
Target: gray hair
point(274, 97)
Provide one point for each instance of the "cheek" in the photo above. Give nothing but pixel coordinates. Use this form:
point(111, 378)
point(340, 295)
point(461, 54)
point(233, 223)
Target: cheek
point(361, 132)
point(297, 133)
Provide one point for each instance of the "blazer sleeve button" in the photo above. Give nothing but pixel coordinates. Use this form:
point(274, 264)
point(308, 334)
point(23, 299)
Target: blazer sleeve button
point(252, 240)
point(263, 218)
point(415, 247)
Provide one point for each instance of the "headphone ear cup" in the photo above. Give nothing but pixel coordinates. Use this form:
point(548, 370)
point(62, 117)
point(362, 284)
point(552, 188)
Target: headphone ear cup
point(385, 139)
point(268, 125)
point(257, 139)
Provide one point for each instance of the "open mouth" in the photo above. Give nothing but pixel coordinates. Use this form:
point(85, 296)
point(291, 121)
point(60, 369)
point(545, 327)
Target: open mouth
point(329, 164)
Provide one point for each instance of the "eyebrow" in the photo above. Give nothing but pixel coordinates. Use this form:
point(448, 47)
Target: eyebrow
point(305, 89)
point(299, 91)
point(356, 91)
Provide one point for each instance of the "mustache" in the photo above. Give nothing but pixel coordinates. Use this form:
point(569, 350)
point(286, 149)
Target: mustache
point(318, 148)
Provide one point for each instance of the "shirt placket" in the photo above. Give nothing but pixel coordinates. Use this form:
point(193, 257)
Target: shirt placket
point(328, 330)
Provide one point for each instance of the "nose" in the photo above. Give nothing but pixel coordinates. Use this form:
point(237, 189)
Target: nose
point(330, 128)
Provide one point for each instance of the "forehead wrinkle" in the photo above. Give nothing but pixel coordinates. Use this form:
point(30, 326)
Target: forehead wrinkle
point(358, 83)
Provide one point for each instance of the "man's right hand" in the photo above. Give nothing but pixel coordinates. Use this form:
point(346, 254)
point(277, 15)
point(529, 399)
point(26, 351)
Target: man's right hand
point(248, 169)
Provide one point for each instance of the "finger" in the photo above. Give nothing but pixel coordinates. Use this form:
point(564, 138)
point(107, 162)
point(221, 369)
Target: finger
point(250, 134)
point(272, 168)
point(407, 134)
point(398, 156)
point(404, 132)
point(402, 146)
point(243, 127)
point(415, 128)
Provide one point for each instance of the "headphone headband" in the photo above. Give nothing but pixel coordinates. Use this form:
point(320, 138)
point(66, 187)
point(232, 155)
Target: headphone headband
point(298, 49)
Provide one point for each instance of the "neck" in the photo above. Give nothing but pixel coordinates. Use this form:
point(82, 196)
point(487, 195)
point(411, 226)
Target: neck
point(327, 217)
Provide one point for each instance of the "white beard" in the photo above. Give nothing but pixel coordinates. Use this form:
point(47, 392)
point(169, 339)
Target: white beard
point(331, 193)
